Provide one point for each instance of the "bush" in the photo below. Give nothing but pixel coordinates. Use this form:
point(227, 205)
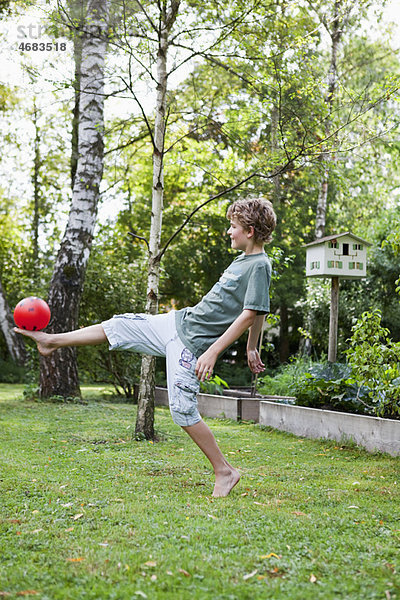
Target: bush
point(11, 373)
point(375, 360)
point(283, 383)
point(331, 386)
point(215, 385)
point(322, 385)
point(236, 374)
point(368, 384)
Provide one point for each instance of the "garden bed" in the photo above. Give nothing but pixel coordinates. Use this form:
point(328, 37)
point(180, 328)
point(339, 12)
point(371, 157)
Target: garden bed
point(238, 405)
point(372, 433)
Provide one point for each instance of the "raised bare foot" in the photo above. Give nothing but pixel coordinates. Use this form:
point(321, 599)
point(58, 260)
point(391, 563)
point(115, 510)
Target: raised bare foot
point(225, 482)
point(43, 340)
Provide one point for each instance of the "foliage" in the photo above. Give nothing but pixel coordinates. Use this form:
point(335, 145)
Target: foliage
point(377, 290)
point(10, 372)
point(215, 385)
point(282, 379)
point(318, 385)
point(331, 386)
point(375, 360)
point(233, 368)
point(114, 285)
point(368, 384)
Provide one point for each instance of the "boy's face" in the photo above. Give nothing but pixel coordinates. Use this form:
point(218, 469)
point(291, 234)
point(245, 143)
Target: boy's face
point(240, 237)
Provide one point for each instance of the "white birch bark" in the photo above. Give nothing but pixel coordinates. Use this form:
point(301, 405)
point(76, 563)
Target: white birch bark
point(14, 342)
point(145, 414)
point(326, 158)
point(58, 373)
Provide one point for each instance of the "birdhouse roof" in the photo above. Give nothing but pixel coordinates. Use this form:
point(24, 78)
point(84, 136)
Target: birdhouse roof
point(335, 237)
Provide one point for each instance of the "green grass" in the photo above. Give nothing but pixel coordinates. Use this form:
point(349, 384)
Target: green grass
point(89, 513)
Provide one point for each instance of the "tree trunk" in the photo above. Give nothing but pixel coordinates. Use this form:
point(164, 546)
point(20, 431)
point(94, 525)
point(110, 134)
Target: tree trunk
point(15, 343)
point(326, 158)
point(145, 414)
point(75, 113)
point(275, 147)
point(58, 372)
point(284, 349)
point(322, 204)
point(36, 198)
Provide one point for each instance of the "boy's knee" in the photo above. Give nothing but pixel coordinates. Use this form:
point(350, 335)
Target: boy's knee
point(183, 404)
point(185, 419)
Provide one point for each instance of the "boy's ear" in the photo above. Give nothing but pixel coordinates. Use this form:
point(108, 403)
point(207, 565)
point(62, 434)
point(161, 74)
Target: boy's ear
point(250, 232)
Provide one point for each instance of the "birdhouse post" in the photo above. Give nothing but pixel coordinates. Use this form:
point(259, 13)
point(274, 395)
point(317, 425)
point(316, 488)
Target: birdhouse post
point(333, 319)
point(336, 256)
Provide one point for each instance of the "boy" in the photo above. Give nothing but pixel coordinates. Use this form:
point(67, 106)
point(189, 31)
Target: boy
point(191, 339)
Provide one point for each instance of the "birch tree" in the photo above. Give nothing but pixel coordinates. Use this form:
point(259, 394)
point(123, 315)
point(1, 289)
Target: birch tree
point(58, 372)
point(335, 29)
point(167, 17)
point(191, 37)
point(15, 344)
point(337, 24)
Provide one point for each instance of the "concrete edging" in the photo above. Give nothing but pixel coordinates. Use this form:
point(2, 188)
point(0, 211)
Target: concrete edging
point(239, 407)
point(372, 433)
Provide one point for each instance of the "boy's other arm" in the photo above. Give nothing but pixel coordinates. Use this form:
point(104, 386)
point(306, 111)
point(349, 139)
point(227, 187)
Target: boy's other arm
point(205, 363)
point(253, 357)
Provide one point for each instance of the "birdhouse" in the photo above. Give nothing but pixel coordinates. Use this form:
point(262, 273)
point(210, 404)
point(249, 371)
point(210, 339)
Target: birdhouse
point(343, 255)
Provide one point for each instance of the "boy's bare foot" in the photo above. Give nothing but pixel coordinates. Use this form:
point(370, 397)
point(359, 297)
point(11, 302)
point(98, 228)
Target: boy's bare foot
point(225, 482)
point(43, 340)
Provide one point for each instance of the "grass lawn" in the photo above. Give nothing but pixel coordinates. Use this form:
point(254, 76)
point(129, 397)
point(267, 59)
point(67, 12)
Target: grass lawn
point(89, 513)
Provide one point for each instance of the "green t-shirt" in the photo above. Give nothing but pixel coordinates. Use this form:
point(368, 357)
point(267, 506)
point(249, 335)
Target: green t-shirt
point(244, 284)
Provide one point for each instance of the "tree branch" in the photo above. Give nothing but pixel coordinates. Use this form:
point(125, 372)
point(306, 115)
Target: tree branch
point(139, 237)
point(219, 195)
point(130, 87)
point(147, 16)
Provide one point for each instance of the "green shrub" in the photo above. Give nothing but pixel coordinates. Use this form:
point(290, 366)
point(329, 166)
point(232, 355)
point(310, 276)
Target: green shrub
point(368, 384)
point(283, 382)
point(331, 386)
point(215, 385)
point(319, 385)
point(375, 360)
point(11, 373)
point(236, 374)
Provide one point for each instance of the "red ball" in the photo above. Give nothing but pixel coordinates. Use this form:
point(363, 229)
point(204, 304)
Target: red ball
point(32, 314)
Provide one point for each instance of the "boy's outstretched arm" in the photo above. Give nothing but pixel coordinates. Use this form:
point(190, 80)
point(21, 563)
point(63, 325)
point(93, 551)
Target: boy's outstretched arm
point(253, 357)
point(205, 362)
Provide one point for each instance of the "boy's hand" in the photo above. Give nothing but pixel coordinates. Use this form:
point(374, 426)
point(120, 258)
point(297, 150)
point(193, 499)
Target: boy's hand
point(254, 361)
point(205, 365)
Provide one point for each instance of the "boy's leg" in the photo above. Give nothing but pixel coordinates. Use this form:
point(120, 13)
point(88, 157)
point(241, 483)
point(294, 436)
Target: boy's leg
point(226, 476)
point(123, 332)
point(48, 342)
point(183, 387)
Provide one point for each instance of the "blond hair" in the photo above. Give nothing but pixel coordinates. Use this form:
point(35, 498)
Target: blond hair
point(257, 213)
